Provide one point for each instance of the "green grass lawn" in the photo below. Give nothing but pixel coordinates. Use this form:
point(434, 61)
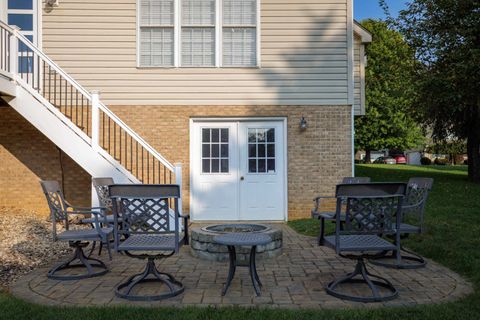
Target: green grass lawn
point(452, 238)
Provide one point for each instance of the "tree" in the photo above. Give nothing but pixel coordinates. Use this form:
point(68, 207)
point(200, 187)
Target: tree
point(445, 35)
point(453, 148)
point(387, 123)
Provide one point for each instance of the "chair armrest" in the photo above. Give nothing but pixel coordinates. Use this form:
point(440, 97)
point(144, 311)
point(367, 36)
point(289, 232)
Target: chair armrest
point(185, 216)
point(324, 197)
point(316, 211)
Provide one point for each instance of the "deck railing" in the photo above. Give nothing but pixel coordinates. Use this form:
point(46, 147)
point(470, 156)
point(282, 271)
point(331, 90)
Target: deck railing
point(24, 63)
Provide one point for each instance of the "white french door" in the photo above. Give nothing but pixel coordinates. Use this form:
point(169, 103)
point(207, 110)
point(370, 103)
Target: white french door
point(238, 170)
point(24, 14)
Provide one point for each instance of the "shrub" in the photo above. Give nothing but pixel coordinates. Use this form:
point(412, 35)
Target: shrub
point(425, 161)
point(441, 161)
point(359, 161)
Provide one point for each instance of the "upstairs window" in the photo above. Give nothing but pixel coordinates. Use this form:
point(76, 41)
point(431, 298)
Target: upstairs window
point(239, 33)
point(157, 33)
point(198, 33)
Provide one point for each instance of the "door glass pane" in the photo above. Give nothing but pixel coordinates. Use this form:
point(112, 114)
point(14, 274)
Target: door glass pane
point(252, 150)
point(224, 165)
point(23, 21)
point(206, 150)
point(252, 165)
point(23, 47)
point(215, 135)
point(205, 135)
point(20, 4)
point(206, 165)
point(224, 151)
point(215, 165)
point(224, 135)
point(271, 135)
point(215, 150)
point(261, 150)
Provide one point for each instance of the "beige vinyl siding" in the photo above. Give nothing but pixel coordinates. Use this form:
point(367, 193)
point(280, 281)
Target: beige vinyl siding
point(303, 57)
point(357, 76)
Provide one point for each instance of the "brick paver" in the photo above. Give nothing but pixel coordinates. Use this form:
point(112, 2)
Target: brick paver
point(295, 279)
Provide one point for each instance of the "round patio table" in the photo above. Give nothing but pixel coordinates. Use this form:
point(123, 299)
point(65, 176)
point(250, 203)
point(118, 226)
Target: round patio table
point(243, 239)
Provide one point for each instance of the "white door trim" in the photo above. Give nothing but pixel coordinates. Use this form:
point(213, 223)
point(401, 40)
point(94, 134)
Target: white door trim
point(37, 18)
point(240, 119)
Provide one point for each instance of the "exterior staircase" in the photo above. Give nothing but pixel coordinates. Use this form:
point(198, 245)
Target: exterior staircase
point(74, 119)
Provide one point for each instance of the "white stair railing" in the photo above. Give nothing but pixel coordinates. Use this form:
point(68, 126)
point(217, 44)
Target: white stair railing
point(27, 65)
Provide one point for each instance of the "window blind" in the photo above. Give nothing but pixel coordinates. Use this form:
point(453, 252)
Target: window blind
point(156, 33)
point(198, 33)
point(198, 12)
point(156, 47)
point(157, 12)
point(198, 46)
point(239, 47)
point(240, 12)
point(239, 33)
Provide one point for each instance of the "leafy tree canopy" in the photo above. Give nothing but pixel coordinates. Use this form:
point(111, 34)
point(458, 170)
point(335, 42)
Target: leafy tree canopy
point(388, 122)
point(445, 36)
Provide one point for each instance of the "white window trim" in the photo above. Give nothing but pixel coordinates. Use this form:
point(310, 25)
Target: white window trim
point(218, 39)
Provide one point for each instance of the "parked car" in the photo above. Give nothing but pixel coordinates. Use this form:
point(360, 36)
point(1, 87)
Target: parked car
point(385, 160)
point(400, 159)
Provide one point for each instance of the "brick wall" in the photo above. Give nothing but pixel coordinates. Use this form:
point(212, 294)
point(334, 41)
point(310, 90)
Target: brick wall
point(317, 158)
point(26, 157)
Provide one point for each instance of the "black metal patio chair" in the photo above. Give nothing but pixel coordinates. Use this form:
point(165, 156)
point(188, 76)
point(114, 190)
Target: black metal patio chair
point(330, 215)
point(146, 212)
point(413, 212)
point(371, 211)
point(61, 211)
point(101, 189)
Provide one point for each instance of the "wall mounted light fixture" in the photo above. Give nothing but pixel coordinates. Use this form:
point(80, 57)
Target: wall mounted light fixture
point(51, 3)
point(303, 124)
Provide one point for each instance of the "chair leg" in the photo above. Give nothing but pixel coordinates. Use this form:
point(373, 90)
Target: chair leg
point(396, 259)
point(174, 287)
point(84, 262)
point(92, 249)
point(186, 241)
point(373, 284)
point(321, 237)
point(109, 250)
point(100, 248)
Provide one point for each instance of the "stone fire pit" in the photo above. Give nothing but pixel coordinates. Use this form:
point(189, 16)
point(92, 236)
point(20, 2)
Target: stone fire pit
point(202, 245)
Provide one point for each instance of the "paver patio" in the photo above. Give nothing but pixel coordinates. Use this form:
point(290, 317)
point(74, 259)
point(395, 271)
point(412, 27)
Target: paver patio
point(295, 279)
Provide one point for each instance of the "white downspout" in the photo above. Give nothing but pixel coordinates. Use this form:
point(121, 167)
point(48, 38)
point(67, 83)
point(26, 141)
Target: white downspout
point(353, 140)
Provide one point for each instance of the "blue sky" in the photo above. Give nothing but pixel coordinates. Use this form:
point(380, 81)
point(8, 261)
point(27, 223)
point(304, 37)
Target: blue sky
point(370, 9)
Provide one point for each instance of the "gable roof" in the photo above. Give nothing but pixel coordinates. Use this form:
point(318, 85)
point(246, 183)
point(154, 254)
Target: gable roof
point(363, 33)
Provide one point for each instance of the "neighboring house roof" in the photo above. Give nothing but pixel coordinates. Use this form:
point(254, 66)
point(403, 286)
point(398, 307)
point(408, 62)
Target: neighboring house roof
point(363, 33)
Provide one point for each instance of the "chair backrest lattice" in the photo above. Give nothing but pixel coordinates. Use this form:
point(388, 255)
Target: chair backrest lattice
point(416, 198)
point(55, 200)
point(146, 215)
point(101, 186)
point(146, 209)
point(57, 205)
point(370, 208)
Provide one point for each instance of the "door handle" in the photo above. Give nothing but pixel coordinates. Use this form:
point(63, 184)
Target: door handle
point(242, 178)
